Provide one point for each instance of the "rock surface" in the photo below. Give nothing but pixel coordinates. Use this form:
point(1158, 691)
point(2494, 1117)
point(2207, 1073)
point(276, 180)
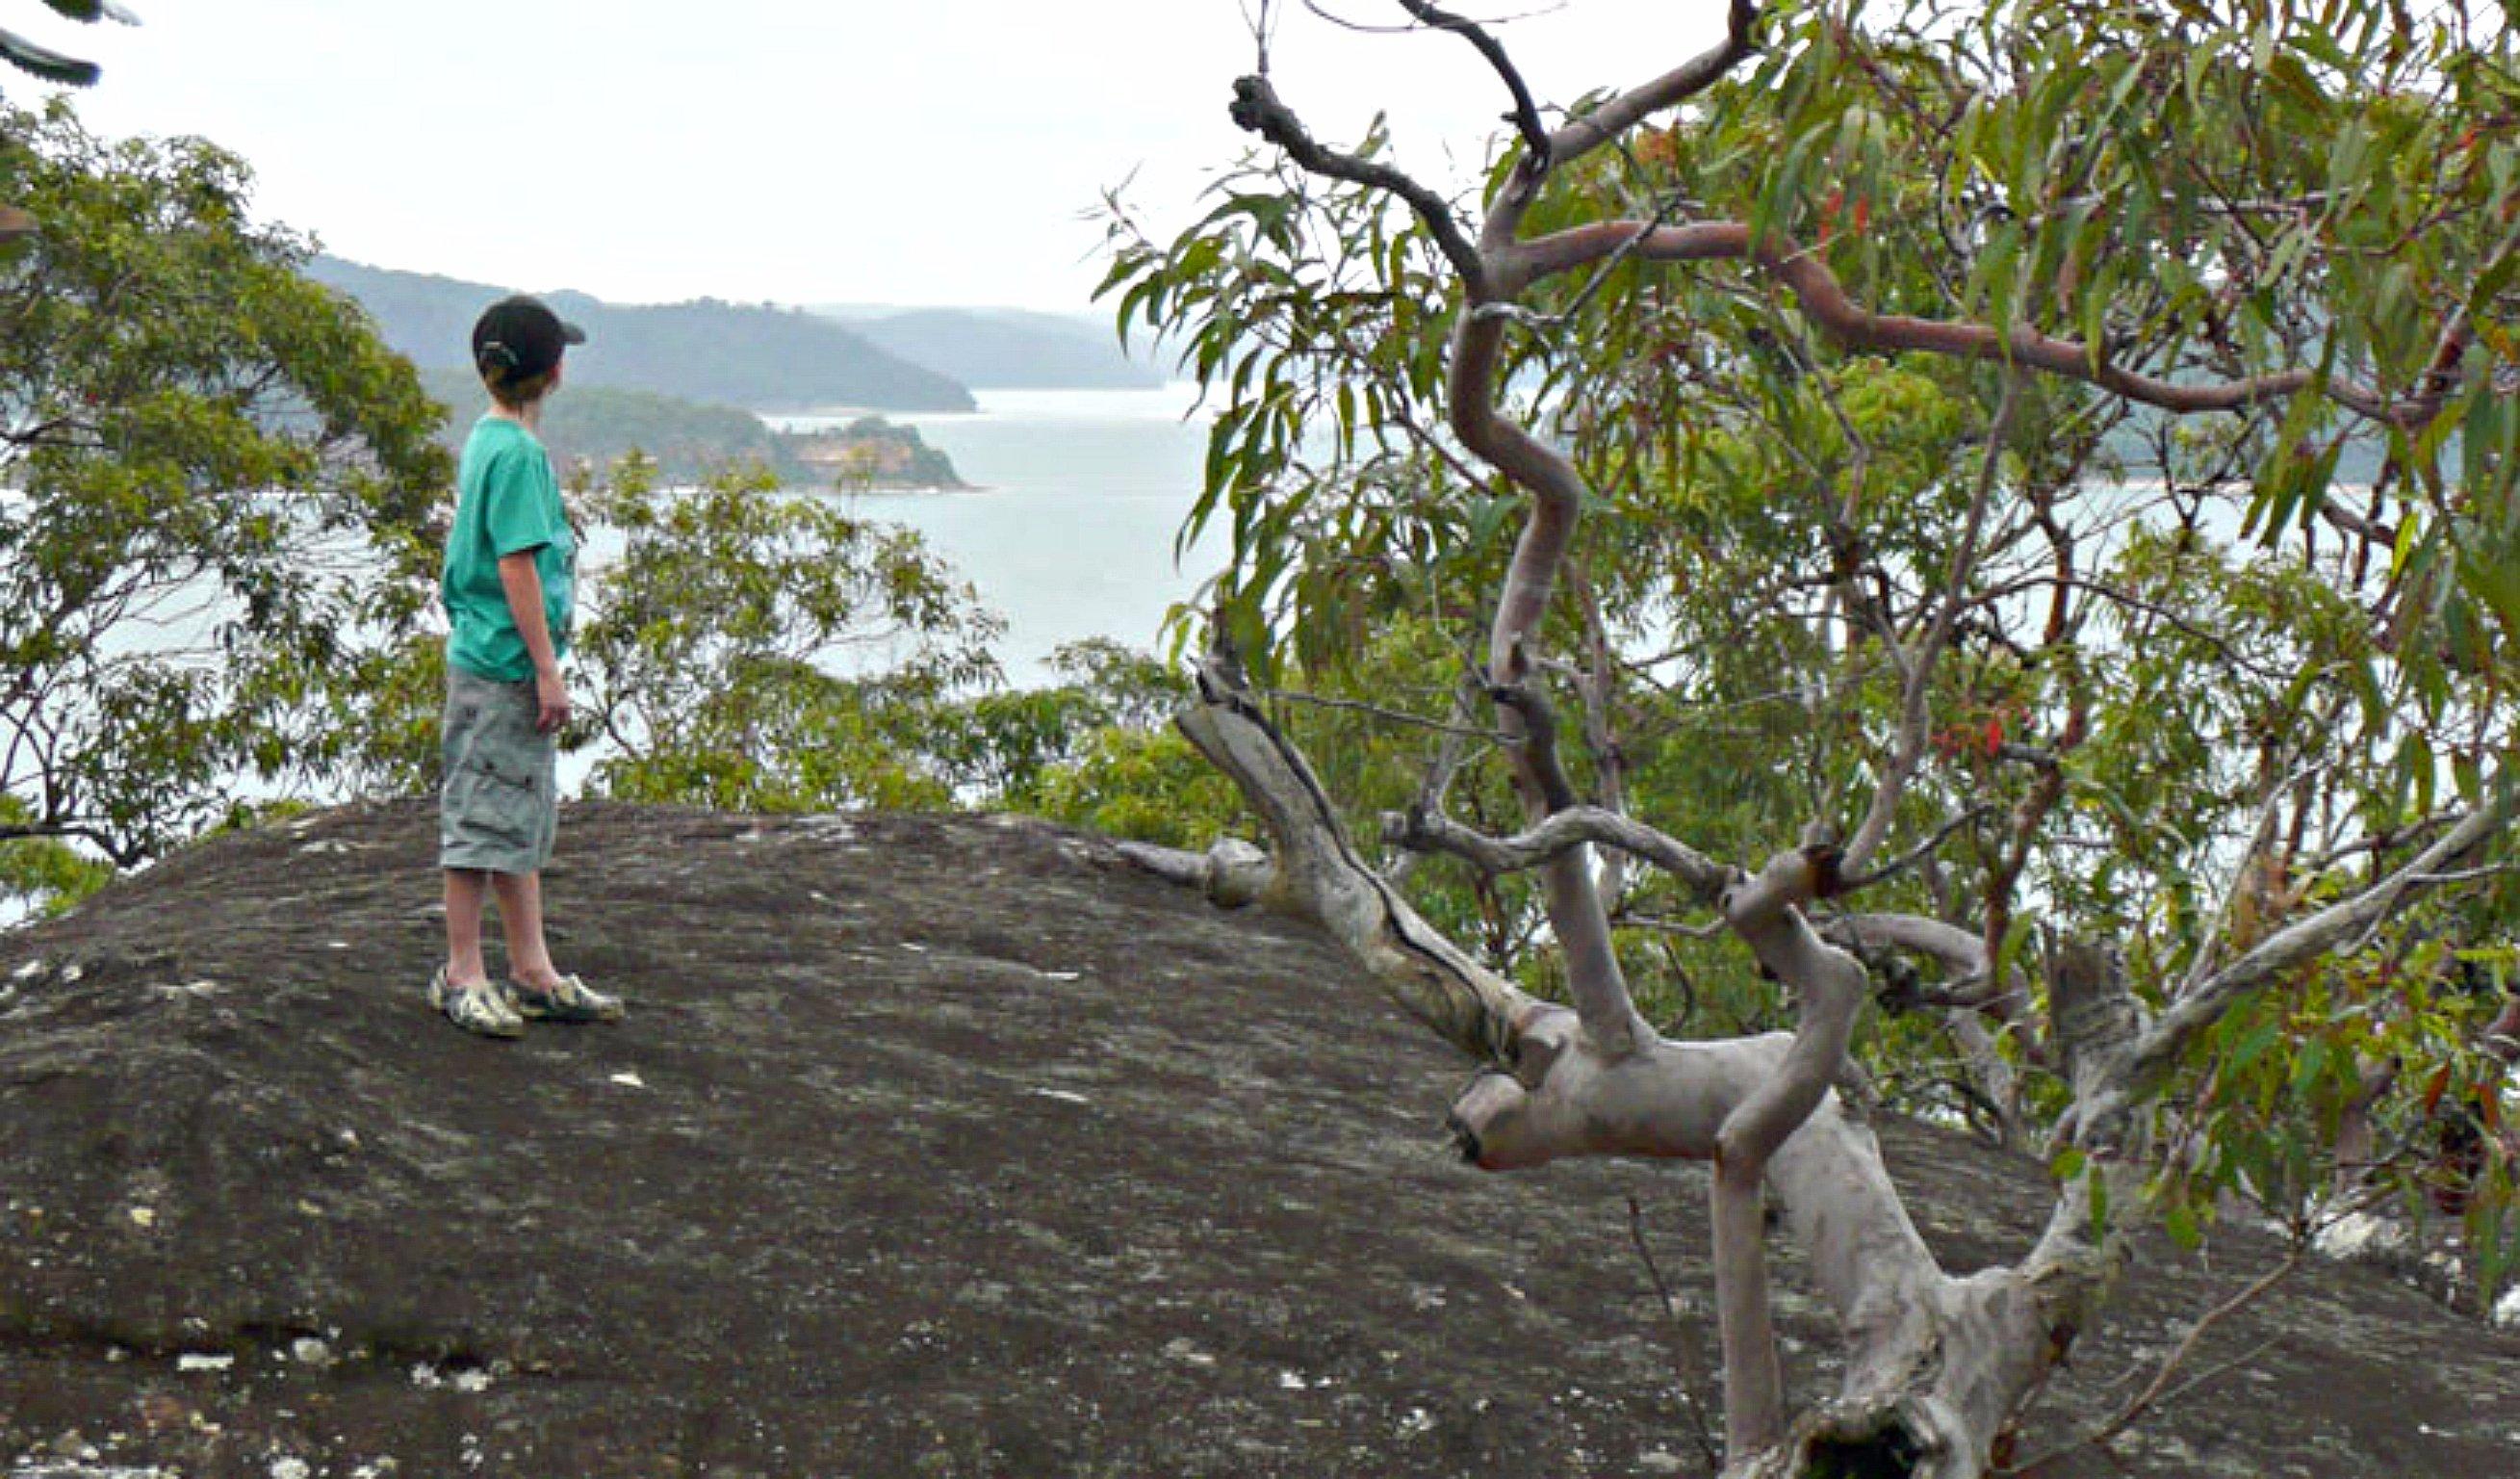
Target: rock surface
point(932, 1146)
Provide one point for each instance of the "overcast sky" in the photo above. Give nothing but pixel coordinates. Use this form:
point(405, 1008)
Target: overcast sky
point(794, 150)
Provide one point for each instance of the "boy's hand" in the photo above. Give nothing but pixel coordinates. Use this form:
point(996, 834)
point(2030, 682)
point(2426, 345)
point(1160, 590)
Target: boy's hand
point(550, 702)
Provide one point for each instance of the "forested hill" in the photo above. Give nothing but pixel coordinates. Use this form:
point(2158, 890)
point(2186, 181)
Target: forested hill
point(762, 359)
point(691, 441)
point(1008, 348)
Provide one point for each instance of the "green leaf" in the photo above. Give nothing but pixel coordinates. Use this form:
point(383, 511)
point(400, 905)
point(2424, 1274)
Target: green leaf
point(2181, 1222)
point(93, 9)
point(2252, 1046)
point(2308, 1066)
point(45, 63)
point(2287, 481)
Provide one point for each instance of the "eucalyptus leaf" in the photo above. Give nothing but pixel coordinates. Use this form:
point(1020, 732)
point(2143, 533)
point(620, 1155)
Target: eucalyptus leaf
point(45, 63)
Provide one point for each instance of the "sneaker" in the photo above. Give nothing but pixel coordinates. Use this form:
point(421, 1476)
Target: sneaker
point(573, 1000)
point(479, 1007)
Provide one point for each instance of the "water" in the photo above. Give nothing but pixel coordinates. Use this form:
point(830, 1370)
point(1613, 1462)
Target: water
point(1070, 535)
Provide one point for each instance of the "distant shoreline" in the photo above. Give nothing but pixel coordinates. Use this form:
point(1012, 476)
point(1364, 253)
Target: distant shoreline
point(1171, 400)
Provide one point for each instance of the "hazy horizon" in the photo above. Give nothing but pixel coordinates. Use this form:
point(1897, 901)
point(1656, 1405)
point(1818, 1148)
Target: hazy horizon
point(786, 152)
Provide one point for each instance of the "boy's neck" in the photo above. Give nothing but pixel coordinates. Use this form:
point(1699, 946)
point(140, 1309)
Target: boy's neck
point(530, 415)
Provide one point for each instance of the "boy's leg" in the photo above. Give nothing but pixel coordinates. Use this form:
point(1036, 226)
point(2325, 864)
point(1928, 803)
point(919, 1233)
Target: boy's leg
point(520, 916)
point(462, 988)
point(466, 891)
point(539, 989)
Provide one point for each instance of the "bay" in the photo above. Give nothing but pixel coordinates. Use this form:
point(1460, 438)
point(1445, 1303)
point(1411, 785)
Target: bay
point(1071, 532)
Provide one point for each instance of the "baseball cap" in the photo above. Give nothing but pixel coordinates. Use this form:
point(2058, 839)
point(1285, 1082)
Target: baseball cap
point(518, 337)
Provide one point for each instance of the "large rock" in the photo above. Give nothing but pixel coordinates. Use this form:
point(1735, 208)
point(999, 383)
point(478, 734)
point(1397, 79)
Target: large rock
point(932, 1146)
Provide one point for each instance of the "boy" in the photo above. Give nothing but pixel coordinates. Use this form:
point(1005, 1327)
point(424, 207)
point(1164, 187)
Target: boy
point(510, 587)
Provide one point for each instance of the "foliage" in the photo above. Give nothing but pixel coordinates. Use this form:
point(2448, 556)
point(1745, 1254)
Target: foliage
point(1001, 749)
point(43, 873)
point(388, 714)
point(16, 222)
point(1146, 785)
point(759, 652)
point(2205, 674)
point(217, 486)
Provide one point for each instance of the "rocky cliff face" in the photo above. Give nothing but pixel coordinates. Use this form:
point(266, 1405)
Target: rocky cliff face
point(931, 1147)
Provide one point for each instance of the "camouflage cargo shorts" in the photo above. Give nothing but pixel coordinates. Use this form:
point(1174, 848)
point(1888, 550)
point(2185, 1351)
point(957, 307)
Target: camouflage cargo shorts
point(499, 809)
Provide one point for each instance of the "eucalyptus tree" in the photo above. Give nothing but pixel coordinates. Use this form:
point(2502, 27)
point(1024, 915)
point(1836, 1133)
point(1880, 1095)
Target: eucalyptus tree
point(215, 491)
point(2008, 513)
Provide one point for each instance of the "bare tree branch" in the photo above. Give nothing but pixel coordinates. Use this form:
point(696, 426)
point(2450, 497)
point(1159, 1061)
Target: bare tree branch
point(1256, 109)
point(1914, 714)
point(1232, 873)
point(1526, 113)
point(1831, 986)
point(1848, 882)
point(1956, 947)
point(1320, 874)
point(1560, 834)
point(2259, 837)
point(1384, 712)
point(1557, 491)
point(1680, 1353)
point(1516, 312)
point(1583, 135)
point(2153, 1394)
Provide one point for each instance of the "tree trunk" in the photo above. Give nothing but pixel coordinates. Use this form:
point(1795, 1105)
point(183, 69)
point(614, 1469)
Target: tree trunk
point(1936, 1365)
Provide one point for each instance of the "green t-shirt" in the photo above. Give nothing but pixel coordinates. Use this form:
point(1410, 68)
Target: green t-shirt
point(506, 501)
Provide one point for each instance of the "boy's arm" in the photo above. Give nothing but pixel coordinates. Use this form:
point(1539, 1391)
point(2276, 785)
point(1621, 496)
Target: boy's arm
point(523, 585)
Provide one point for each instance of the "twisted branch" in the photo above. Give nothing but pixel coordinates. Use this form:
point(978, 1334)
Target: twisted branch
point(1825, 301)
point(1673, 88)
point(1257, 109)
point(1562, 832)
